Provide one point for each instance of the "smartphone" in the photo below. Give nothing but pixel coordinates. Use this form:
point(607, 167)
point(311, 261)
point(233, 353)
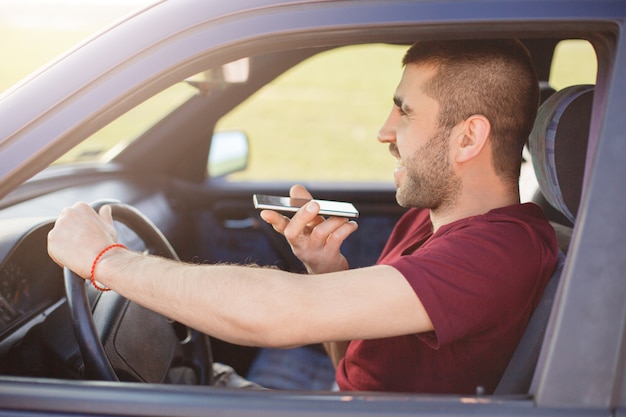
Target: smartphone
point(291, 205)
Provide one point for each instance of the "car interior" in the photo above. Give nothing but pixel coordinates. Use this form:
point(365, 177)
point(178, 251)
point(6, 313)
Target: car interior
point(210, 219)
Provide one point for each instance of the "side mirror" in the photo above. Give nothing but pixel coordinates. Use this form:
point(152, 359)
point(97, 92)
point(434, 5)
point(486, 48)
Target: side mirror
point(228, 153)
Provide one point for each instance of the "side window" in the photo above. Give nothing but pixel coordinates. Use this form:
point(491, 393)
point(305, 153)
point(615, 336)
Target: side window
point(117, 135)
point(319, 120)
point(574, 63)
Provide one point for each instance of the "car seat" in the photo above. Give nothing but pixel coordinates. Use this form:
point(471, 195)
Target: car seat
point(558, 147)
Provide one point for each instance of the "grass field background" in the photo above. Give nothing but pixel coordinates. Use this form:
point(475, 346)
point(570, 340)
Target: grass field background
point(325, 132)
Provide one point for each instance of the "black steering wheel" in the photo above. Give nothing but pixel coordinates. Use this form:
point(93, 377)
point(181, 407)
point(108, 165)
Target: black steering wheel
point(120, 340)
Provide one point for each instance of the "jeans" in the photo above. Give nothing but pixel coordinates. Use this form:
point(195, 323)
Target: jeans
point(303, 368)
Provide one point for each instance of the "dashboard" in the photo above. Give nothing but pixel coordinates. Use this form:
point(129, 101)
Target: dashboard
point(30, 282)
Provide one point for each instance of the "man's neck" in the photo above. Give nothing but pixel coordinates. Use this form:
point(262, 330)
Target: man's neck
point(472, 205)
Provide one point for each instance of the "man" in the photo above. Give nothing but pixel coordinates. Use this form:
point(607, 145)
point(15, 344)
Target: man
point(445, 306)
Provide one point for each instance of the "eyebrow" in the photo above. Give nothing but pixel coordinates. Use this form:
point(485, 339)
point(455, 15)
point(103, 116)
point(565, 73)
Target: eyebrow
point(397, 100)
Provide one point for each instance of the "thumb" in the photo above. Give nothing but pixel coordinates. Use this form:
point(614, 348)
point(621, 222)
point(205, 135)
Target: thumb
point(298, 191)
point(106, 214)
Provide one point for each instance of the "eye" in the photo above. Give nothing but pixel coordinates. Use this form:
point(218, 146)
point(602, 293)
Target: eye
point(401, 111)
point(400, 106)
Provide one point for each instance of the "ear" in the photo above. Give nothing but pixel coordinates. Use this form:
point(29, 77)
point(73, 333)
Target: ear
point(472, 138)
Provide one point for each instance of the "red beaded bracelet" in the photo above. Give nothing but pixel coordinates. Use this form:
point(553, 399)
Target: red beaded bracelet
point(95, 262)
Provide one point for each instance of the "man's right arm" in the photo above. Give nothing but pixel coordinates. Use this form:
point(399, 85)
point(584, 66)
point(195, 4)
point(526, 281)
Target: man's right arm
point(243, 305)
point(265, 306)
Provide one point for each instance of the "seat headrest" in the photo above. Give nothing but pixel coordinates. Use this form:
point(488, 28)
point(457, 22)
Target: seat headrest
point(558, 145)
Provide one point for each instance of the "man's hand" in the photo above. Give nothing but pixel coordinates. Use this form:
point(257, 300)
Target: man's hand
point(314, 240)
point(79, 234)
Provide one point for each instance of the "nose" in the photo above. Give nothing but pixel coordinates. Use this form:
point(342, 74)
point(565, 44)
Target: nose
point(387, 133)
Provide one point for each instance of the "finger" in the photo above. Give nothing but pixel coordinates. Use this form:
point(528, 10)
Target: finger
point(106, 214)
point(275, 219)
point(336, 229)
point(298, 191)
point(315, 222)
point(82, 207)
point(69, 214)
point(80, 212)
point(337, 237)
point(323, 230)
point(302, 221)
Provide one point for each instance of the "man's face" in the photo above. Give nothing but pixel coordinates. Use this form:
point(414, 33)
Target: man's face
point(424, 176)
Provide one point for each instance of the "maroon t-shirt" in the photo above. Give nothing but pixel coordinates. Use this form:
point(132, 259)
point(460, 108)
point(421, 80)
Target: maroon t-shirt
point(479, 279)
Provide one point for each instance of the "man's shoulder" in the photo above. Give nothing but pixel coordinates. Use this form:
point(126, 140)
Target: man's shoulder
point(516, 214)
point(507, 228)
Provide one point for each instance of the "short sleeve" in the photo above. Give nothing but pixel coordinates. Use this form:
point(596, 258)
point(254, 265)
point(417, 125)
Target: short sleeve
point(476, 275)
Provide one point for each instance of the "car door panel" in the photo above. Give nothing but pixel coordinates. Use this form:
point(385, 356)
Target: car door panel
point(231, 230)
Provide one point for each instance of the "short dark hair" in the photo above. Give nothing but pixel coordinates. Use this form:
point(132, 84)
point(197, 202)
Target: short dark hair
point(494, 78)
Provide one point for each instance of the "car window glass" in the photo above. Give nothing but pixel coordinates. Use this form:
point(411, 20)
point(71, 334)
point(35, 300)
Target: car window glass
point(318, 121)
point(108, 141)
point(574, 63)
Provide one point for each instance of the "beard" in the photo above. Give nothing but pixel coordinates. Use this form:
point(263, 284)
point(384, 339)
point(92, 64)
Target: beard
point(429, 181)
